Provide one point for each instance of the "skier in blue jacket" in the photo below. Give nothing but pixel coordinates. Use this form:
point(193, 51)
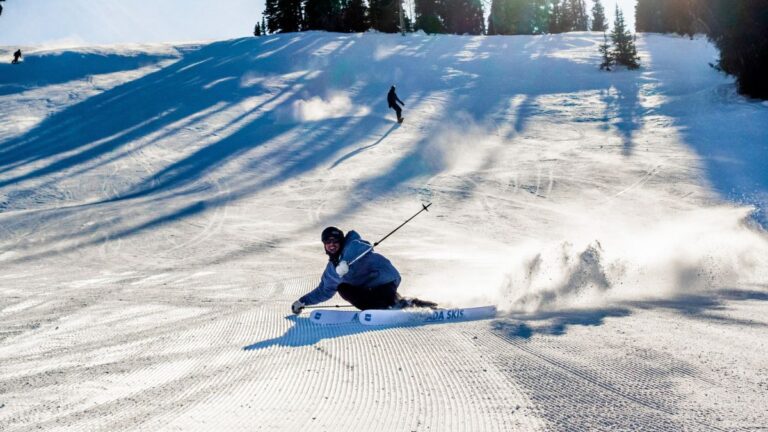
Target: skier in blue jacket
point(361, 276)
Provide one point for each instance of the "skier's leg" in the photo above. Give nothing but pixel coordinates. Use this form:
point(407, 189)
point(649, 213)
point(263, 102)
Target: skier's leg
point(398, 110)
point(354, 295)
point(379, 297)
point(384, 296)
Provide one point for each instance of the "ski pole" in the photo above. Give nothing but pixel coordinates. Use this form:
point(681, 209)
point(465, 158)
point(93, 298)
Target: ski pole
point(328, 306)
point(423, 208)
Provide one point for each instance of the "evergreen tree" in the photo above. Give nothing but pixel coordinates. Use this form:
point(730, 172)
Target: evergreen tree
point(606, 53)
point(573, 16)
point(510, 17)
point(598, 17)
point(270, 14)
point(648, 16)
point(677, 17)
point(555, 24)
point(354, 17)
point(429, 16)
point(464, 17)
point(577, 14)
point(257, 30)
point(322, 15)
point(385, 15)
point(739, 30)
point(283, 16)
point(625, 51)
point(665, 16)
point(540, 16)
point(263, 26)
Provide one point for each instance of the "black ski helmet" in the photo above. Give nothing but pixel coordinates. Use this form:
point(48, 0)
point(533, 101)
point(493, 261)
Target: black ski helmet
point(332, 233)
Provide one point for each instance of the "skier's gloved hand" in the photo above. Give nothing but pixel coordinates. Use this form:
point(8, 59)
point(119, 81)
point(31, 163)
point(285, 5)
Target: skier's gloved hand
point(297, 307)
point(342, 269)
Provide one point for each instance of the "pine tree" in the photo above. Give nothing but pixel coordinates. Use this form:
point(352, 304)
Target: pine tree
point(429, 16)
point(677, 17)
point(263, 26)
point(540, 16)
point(598, 17)
point(322, 15)
point(257, 30)
point(385, 15)
point(566, 19)
point(606, 54)
point(738, 29)
point(283, 16)
point(625, 51)
point(355, 17)
point(666, 16)
point(511, 17)
point(556, 17)
point(463, 17)
point(270, 14)
point(580, 17)
point(573, 15)
point(648, 16)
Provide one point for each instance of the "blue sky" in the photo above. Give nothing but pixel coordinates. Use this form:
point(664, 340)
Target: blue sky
point(82, 22)
point(51, 22)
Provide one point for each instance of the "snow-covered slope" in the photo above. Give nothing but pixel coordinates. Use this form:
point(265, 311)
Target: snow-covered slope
point(161, 209)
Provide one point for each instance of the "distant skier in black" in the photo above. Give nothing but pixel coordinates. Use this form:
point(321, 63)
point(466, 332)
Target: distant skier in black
point(392, 100)
point(16, 56)
point(361, 276)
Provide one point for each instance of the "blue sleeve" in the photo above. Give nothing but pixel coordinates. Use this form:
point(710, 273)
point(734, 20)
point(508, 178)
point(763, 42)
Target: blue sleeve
point(325, 290)
point(354, 247)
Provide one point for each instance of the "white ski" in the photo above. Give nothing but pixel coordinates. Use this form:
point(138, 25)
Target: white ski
point(424, 316)
point(333, 316)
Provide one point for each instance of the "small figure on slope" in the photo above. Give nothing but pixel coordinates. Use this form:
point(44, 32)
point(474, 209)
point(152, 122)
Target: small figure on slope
point(16, 56)
point(392, 100)
point(361, 276)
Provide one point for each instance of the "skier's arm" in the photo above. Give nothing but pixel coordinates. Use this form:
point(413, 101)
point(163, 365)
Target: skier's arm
point(398, 99)
point(324, 290)
point(354, 247)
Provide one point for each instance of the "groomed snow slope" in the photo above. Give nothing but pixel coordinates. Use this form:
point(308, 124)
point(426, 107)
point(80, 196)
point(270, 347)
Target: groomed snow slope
point(161, 209)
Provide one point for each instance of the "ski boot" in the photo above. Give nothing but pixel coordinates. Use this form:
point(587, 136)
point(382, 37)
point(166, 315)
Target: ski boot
point(412, 302)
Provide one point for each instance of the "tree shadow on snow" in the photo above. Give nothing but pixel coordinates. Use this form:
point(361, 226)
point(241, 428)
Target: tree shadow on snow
point(107, 127)
point(41, 69)
point(460, 89)
point(622, 103)
point(207, 81)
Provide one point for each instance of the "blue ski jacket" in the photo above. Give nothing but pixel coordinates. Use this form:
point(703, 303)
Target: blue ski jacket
point(368, 271)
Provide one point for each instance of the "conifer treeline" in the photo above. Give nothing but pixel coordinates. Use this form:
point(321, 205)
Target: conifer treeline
point(431, 16)
point(665, 16)
point(510, 17)
point(738, 28)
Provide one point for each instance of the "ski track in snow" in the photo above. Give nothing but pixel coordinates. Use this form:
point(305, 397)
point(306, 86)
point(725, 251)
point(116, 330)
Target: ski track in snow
point(159, 215)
